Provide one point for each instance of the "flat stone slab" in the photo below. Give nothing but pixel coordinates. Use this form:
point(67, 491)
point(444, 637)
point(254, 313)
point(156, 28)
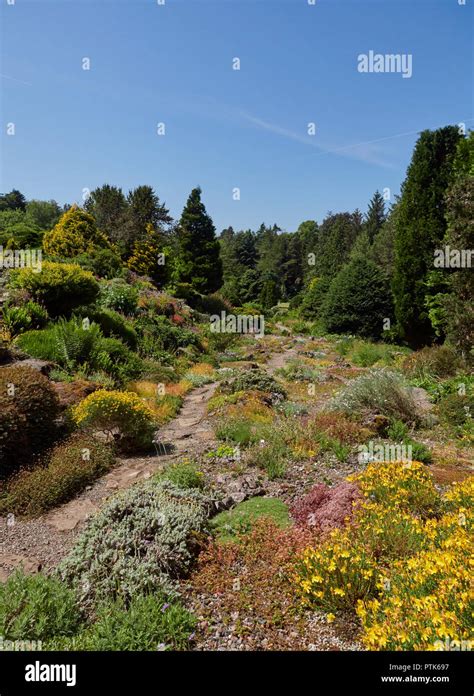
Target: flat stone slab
point(9, 562)
point(71, 514)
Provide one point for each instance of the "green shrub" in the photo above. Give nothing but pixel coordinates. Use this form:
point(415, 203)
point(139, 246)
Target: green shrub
point(419, 452)
point(253, 379)
point(365, 354)
point(157, 334)
point(72, 344)
point(313, 298)
point(297, 371)
point(240, 430)
point(140, 542)
point(112, 324)
point(76, 344)
point(378, 392)
point(36, 607)
point(229, 524)
point(457, 409)
point(434, 361)
point(358, 300)
point(117, 413)
point(184, 475)
point(40, 344)
point(271, 455)
point(149, 623)
point(212, 304)
point(114, 358)
point(20, 319)
point(70, 467)
point(29, 407)
point(118, 295)
point(344, 345)
point(397, 430)
point(60, 287)
point(155, 372)
point(103, 263)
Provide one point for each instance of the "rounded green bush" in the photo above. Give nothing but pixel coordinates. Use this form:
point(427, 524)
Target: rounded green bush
point(60, 287)
point(36, 607)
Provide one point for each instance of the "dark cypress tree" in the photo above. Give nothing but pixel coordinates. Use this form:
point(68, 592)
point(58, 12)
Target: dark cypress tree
point(199, 261)
point(420, 229)
point(375, 217)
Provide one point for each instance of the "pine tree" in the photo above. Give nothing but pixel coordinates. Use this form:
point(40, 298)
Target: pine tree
point(420, 229)
point(358, 300)
point(375, 217)
point(199, 261)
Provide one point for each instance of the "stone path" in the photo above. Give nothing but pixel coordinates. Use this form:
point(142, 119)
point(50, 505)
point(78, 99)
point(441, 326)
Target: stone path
point(42, 542)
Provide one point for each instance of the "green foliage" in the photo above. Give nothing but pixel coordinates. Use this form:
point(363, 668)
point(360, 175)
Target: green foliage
point(212, 304)
point(23, 318)
point(298, 371)
point(157, 334)
point(378, 392)
point(140, 542)
point(118, 295)
point(436, 361)
point(458, 311)
point(397, 430)
point(358, 300)
point(108, 206)
point(29, 407)
point(313, 297)
point(75, 233)
point(231, 523)
point(375, 217)
point(420, 229)
point(60, 287)
point(198, 260)
point(184, 475)
point(14, 200)
point(44, 214)
point(73, 345)
point(253, 379)
point(36, 607)
point(148, 623)
point(419, 451)
point(335, 240)
point(69, 468)
point(116, 360)
point(271, 454)
point(103, 263)
point(240, 430)
point(457, 409)
point(365, 354)
point(111, 323)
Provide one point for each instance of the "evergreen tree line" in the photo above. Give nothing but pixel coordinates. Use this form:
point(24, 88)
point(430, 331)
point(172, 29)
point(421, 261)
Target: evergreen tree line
point(373, 275)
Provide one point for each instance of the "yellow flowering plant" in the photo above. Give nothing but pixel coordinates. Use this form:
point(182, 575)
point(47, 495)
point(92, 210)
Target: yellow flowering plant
point(404, 566)
point(117, 413)
point(405, 485)
point(426, 599)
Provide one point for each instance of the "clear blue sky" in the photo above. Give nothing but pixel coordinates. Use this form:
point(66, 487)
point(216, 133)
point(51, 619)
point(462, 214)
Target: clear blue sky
point(78, 129)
